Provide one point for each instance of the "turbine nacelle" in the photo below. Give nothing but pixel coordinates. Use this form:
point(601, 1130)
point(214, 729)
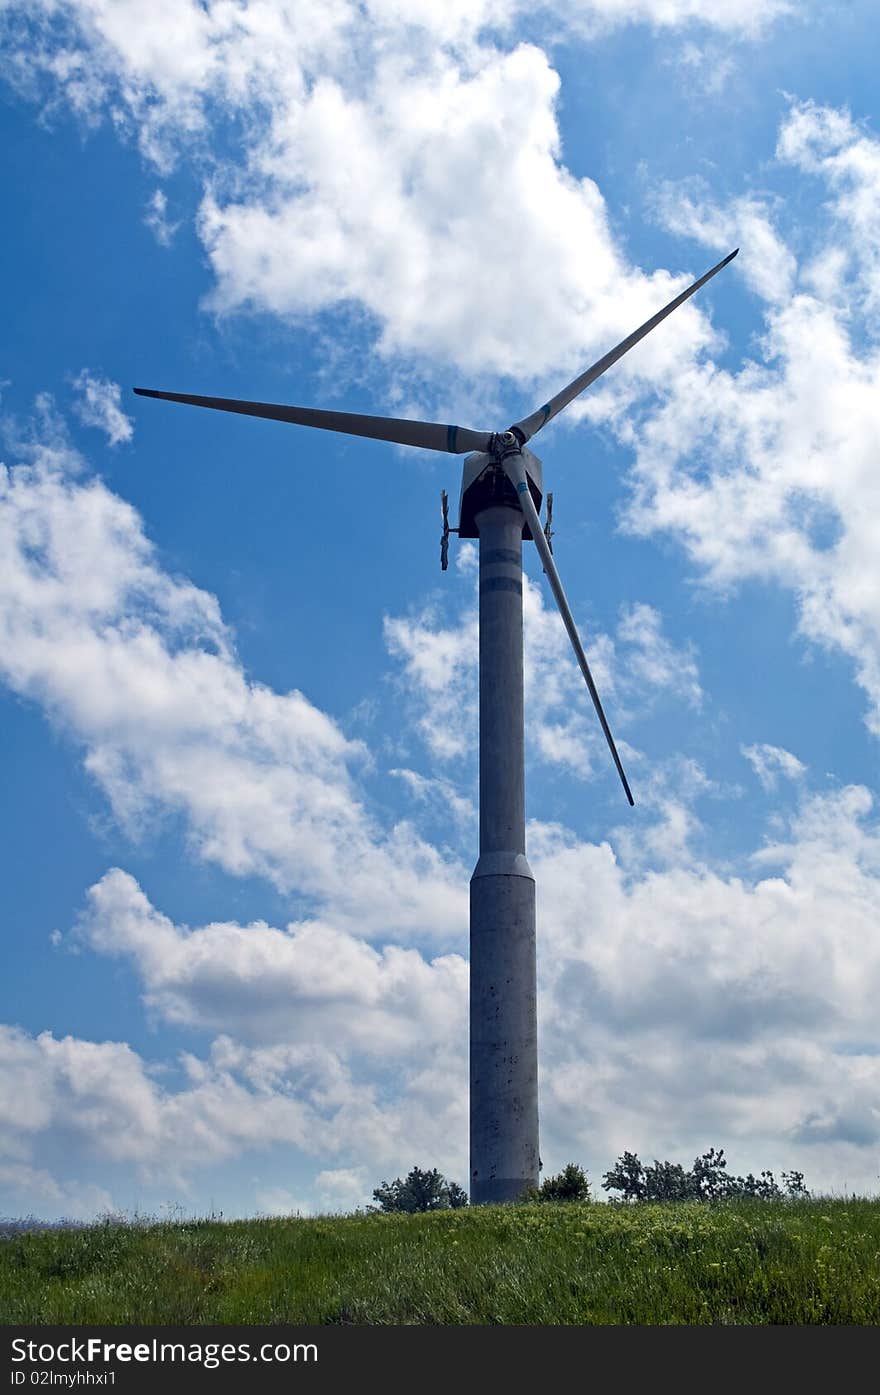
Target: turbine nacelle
point(484, 481)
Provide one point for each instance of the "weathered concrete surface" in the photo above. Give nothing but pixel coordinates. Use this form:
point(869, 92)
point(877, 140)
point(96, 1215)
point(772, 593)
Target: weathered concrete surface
point(503, 1033)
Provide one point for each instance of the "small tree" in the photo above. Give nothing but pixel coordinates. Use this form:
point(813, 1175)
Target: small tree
point(711, 1181)
point(419, 1191)
point(627, 1176)
point(794, 1186)
point(571, 1184)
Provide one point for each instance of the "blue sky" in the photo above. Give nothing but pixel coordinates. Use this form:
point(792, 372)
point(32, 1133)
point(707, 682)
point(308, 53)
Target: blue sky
point(238, 694)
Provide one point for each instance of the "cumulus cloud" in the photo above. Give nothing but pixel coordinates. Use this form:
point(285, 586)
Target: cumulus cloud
point(100, 405)
point(828, 143)
point(632, 669)
point(308, 982)
point(419, 258)
point(687, 1006)
point(139, 668)
point(769, 472)
point(164, 64)
point(678, 1007)
point(440, 110)
point(100, 1102)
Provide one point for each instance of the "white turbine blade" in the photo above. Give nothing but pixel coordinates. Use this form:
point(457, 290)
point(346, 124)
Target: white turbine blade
point(430, 435)
point(515, 472)
point(530, 426)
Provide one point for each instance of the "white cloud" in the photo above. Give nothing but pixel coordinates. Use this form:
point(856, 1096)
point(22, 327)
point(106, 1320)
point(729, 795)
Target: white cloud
point(767, 265)
point(157, 220)
point(100, 405)
point(826, 142)
point(668, 792)
point(439, 668)
point(770, 472)
point(652, 663)
point(749, 18)
point(336, 1190)
point(439, 795)
point(678, 1008)
point(682, 1008)
point(631, 670)
point(342, 1188)
point(440, 111)
point(85, 1088)
point(419, 259)
point(769, 762)
point(310, 982)
point(102, 1105)
point(280, 1201)
point(35, 1187)
point(708, 66)
point(164, 63)
point(139, 668)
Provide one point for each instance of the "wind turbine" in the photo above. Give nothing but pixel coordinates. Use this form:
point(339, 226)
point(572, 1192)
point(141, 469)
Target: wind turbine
point(501, 494)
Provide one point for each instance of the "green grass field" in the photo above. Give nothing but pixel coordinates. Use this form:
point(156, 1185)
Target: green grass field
point(738, 1262)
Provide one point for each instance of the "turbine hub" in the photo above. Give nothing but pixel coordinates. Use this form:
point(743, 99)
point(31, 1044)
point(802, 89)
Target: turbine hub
point(506, 443)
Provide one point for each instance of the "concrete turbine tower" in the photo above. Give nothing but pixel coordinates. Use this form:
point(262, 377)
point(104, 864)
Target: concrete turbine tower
point(502, 488)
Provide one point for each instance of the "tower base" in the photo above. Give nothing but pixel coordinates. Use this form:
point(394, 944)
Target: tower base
point(504, 1045)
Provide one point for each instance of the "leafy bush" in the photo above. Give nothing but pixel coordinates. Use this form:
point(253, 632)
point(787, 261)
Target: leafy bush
point(571, 1184)
point(707, 1180)
point(419, 1191)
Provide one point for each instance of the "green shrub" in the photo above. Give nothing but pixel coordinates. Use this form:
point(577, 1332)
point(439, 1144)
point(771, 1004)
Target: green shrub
point(419, 1191)
point(571, 1184)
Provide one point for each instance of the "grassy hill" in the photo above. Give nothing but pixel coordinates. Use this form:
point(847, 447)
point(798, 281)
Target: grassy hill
point(737, 1262)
